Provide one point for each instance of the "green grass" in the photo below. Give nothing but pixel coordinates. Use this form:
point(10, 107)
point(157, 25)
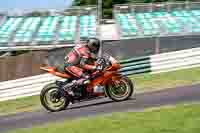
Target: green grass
point(20, 105)
point(152, 82)
point(143, 83)
point(179, 119)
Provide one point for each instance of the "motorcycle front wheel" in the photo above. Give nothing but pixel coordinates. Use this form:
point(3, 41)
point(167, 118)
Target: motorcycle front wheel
point(120, 90)
point(53, 99)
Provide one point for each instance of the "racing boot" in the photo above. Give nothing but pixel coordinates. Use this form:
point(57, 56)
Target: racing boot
point(69, 86)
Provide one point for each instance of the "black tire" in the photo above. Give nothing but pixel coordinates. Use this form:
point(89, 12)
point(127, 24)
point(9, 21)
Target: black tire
point(43, 93)
point(129, 86)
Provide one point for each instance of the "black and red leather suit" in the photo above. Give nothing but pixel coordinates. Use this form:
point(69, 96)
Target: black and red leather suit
point(79, 61)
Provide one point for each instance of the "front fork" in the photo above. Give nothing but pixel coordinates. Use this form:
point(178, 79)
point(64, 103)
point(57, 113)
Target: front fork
point(115, 77)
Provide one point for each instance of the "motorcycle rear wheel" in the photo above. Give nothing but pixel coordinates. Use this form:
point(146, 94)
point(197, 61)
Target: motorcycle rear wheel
point(53, 99)
point(120, 90)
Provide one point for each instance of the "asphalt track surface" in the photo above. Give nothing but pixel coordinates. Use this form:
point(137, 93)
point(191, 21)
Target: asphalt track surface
point(102, 106)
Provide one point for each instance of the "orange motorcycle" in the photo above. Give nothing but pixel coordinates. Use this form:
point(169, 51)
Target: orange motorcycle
point(106, 83)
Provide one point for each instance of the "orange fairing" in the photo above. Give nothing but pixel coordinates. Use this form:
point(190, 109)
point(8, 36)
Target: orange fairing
point(114, 67)
point(48, 68)
point(53, 71)
point(104, 79)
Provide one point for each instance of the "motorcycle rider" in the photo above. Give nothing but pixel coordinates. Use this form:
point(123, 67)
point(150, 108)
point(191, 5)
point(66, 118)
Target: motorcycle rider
point(81, 59)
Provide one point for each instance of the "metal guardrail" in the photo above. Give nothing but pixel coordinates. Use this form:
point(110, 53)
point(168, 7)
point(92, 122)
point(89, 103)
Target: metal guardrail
point(162, 62)
point(152, 64)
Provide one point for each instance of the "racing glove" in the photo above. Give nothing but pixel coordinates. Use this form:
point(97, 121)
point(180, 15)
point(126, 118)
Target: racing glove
point(99, 68)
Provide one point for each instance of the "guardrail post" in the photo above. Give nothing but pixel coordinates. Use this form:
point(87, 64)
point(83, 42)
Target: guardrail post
point(157, 45)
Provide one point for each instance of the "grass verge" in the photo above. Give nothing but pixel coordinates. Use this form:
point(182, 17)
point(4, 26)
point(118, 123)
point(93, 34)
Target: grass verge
point(26, 104)
point(143, 83)
point(151, 82)
point(179, 119)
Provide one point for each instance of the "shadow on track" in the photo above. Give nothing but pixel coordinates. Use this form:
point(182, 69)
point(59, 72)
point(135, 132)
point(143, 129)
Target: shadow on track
point(96, 104)
point(89, 105)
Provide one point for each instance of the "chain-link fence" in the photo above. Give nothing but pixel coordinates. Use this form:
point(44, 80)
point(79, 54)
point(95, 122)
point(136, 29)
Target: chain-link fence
point(127, 47)
point(28, 64)
point(131, 48)
point(24, 65)
point(155, 28)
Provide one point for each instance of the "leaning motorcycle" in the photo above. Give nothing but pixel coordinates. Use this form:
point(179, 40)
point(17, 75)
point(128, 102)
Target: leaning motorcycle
point(106, 83)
